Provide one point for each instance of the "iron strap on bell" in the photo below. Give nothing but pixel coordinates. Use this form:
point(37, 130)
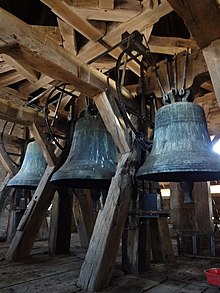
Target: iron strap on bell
point(32, 169)
point(182, 149)
point(91, 160)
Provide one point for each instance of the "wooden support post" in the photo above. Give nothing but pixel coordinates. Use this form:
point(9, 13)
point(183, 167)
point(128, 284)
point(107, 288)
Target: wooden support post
point(60, 223)
point(84, 215)
point(31, 221)
point(161, 245)
point(136, 252)
point(97, 269)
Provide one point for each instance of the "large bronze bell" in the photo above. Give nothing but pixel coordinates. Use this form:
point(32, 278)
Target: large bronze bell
point(182, 149)
point(32, 169)
point(91, 160)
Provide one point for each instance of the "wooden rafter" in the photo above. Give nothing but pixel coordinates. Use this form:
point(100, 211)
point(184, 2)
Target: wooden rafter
point(63, 11)
point(147, 18)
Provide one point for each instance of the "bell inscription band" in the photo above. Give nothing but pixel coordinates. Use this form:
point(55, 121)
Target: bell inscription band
point(91, 160)
point(32, 169)
point(182, 149)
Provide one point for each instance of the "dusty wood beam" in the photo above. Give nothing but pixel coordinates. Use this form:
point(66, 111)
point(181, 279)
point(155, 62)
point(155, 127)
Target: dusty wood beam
point(121, 12)
point(146, 18)
point(212, 57)
point(106, 4)
point(112, 122)
point(201, 18)
point(68, 36)
point(5, 191)
point(97, 269)
point(170, 45)
point(30, 223)
point(10, 77)
point(14, 141)
point(45, 145)
point(6, 162)
point(12, 112)
point(54, 60)
point(63, 11)
point(84, 215)
point(22, 68)
point(29, 88)
point(7, 47)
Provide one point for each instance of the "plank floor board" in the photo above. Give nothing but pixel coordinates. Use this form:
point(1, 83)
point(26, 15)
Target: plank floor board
point(42, 273)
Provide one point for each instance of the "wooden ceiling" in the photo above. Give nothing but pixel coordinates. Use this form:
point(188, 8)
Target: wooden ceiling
point(35, 58)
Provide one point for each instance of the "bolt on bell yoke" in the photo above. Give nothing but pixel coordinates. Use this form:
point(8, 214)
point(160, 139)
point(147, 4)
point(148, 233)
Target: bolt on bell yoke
point(182, 149)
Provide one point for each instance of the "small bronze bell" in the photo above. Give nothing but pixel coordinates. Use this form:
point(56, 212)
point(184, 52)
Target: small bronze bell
point(32, 169)
point(182, 149)
point(90, 163)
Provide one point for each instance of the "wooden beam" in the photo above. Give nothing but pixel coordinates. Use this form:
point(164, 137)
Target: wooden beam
point(54, 60)
point(112, 122)
point(84, 215)
point(97, 269)
point(30, 223)
point(146, 18)
point(22, 68)
point(121, 13)
point(63, 11)
point(6, 162)
point(10, 77)
point(212, 58)
point(201, 18)
point(68, 36)
point(170, 45)
point(45, 145)
point(5, 47)
point(13, 141)
point(106, 4)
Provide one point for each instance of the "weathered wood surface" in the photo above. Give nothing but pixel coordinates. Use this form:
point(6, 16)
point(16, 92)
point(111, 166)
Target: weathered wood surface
point(201, 18)
point(84, 215)
point(30, 223)
point(97, 269)
point(54, 60)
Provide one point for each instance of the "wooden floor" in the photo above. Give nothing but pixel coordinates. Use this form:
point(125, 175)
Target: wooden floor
point(42, 273)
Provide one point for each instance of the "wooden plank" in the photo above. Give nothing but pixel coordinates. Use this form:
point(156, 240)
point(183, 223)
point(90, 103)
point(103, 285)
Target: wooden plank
point(45, 146)
point(97, 269)
point(201, 18)
point(63, 11)
point(5, 192)
point(14, 141)
point(54, 60)
point(112, 122)
point(10, 77)
point(30, 223)
point(22, 68)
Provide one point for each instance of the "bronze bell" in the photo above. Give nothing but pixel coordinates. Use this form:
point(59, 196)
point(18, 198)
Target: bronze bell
point(182, 149)
point(32, 169)
point(90, 163)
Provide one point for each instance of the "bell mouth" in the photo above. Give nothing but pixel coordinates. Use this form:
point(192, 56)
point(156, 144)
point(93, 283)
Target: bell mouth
point(173, 176)
point(83, 183)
